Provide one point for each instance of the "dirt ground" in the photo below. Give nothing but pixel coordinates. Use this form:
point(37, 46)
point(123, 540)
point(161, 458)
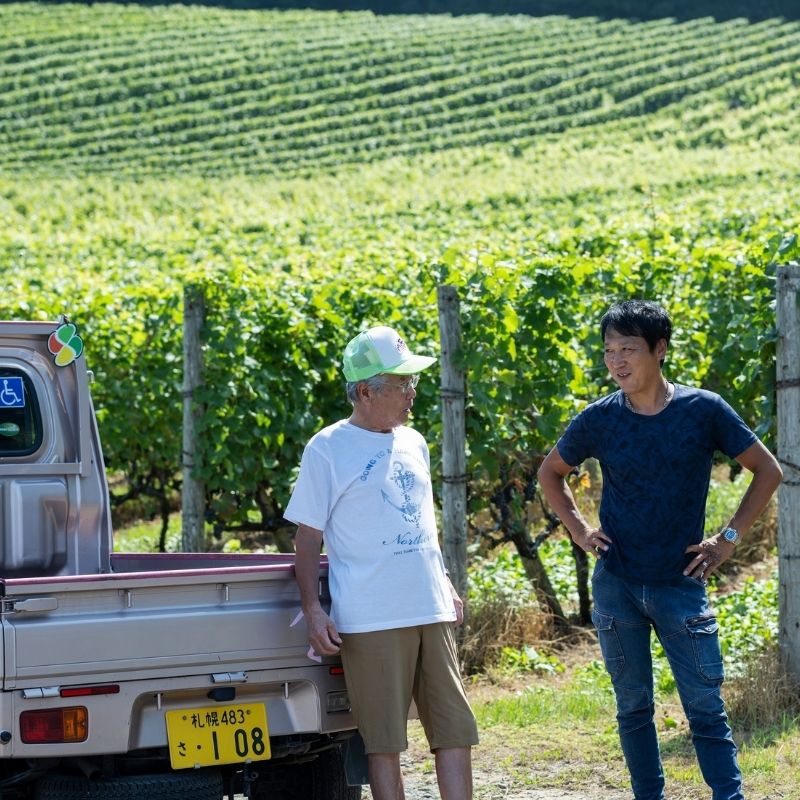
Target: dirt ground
point(491, 783)
point(494, 791)
point(495, 786)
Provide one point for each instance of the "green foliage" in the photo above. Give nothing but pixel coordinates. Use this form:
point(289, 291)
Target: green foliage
point(560, 563)
point(273, 340)
point(593, 677)
point(528, 659)
point(499, 579)
point(538, 232)
point(691, 9)
point(723, 498)
point(748, 617)
point(143, 537)
point(748, 620)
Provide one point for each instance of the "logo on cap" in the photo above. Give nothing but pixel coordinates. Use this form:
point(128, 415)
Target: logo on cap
point(381, 349)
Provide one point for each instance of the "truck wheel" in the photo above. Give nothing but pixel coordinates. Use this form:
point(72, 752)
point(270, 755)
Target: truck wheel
point(322, 779)
point(329, 780)
point(197, 785)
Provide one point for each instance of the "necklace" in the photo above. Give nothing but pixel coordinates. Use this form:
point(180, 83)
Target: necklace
point(664, 402)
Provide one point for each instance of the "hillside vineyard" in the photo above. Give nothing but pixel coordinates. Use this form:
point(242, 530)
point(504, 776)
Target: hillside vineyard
point(176, 89)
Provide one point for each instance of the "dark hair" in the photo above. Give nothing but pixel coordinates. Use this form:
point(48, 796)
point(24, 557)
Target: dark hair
point(638, 318)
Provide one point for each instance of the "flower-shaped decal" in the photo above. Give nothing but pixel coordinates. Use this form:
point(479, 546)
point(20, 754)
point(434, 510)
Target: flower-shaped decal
point(65, 344)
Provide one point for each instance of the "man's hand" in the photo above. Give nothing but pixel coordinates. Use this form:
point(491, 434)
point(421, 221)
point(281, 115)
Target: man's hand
point(322, 633)
point(552, 479)
point(458, 605)
point(593, 540)
point(711, 553)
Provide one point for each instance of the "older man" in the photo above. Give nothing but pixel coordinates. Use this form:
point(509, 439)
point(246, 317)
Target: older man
point(364, 489)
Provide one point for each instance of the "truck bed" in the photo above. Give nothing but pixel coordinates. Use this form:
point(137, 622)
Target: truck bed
point(165, 630)
point(181, 615)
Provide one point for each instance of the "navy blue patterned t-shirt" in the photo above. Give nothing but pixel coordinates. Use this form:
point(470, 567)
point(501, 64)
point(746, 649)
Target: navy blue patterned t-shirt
point(656, 471)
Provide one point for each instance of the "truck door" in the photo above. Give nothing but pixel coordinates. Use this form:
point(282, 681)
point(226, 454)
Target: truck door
point(34, 506)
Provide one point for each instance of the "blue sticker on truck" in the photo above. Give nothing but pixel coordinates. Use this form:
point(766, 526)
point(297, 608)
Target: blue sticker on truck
point(12, 393)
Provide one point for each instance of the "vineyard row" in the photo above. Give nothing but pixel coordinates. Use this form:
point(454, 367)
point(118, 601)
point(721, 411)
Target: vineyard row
point(498, 124)
point(287, 102)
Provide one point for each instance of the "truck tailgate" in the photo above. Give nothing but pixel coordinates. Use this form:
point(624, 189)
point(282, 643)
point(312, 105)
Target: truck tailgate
point(140, 625)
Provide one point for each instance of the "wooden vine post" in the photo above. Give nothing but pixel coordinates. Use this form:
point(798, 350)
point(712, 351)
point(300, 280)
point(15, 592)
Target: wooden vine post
point(788, 390)
point(193, 497)
point(454, 457)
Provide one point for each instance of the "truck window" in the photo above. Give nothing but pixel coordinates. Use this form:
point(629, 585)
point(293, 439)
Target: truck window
point(20, 420)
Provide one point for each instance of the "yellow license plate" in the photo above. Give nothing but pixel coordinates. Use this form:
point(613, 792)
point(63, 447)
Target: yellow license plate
point(202, 737)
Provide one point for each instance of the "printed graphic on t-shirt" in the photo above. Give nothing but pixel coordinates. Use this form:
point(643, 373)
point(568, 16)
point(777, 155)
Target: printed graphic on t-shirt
point(370, 465)
point(402, 498)
point(404, 479)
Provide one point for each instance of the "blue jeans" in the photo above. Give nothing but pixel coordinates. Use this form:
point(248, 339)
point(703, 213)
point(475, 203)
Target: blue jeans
point(680, 614)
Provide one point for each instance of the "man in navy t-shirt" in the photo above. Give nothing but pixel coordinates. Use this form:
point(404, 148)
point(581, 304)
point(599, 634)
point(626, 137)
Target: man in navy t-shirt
point(655, 441)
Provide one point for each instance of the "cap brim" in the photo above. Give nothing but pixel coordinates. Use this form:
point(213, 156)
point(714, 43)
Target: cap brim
point(411, 366)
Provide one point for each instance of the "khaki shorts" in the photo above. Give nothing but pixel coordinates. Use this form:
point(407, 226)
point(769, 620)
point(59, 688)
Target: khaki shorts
point(385, 669)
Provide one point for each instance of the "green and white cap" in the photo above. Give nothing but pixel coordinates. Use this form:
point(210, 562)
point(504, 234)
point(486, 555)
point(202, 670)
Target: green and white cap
point(378, 350)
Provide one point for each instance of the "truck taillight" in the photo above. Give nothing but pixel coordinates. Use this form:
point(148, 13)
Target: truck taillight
point(54, 725)
point(86, 691)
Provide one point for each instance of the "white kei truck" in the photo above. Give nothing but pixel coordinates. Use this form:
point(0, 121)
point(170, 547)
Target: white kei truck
point(150, 676)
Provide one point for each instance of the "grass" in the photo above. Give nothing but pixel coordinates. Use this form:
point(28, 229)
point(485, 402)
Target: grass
point(142, 536)
point(559, 732)
point(537, 704)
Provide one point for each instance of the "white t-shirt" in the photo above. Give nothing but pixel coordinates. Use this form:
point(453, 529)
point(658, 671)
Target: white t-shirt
point(370, 494)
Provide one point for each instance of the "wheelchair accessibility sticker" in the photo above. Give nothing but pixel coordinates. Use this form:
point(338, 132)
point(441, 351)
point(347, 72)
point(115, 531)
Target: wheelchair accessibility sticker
point(65, 344)
point(12, 393)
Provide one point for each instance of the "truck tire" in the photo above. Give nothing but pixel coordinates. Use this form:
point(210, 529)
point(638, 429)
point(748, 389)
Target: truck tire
point(321, 779)
point(197, 785)
point(329, 779)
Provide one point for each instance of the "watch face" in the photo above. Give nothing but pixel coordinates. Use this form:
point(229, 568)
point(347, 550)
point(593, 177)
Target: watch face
point(731, 535)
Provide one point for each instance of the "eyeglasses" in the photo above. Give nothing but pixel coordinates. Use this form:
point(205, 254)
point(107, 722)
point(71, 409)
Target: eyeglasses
point(406, 386)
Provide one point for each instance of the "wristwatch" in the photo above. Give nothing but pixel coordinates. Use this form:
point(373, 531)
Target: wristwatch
point(731, 535)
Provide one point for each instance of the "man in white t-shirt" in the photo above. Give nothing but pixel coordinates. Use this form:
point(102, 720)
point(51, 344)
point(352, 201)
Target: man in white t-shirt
point(364, 489)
